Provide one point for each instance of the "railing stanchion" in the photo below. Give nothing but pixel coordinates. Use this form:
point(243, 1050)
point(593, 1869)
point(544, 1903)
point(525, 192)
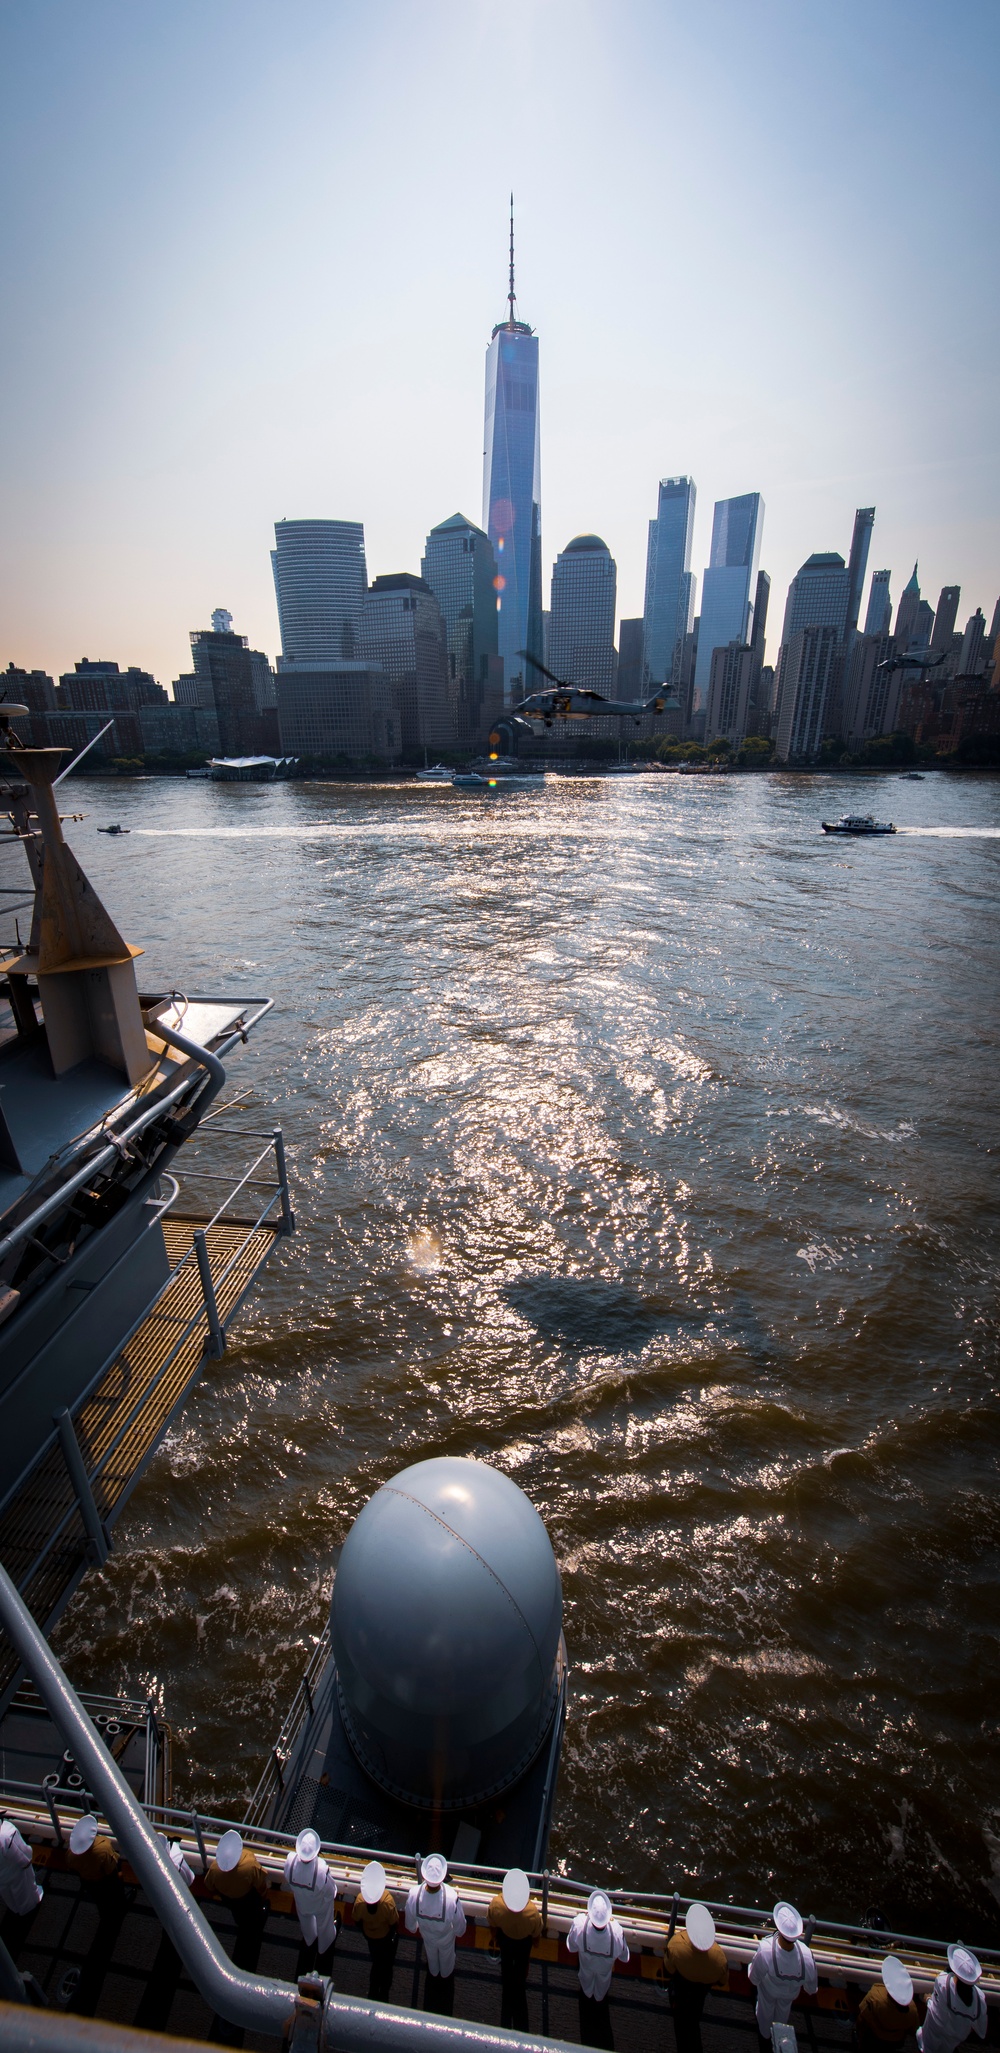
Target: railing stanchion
point(287, 1215)
point(200, 1837)
point(53, 1813)
point(217, 1339)
point(96, 1535)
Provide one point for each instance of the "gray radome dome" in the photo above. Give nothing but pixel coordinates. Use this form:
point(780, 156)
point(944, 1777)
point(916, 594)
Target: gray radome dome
point(447, 1633)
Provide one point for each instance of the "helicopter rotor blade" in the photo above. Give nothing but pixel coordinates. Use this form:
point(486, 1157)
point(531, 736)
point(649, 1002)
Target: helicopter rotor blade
point(550, 674)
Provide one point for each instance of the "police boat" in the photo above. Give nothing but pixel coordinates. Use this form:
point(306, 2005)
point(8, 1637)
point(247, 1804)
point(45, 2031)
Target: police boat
point(857, 823)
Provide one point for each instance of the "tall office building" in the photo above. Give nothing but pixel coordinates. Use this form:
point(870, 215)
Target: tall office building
point(728, 582)
point(810, 666)
point(972, 660)
point(512, 510)
point(402, 633)
point(945, 617)
point(224, 671)
point(761, 601)
point(630, 640)
point(319, 582)
point(732, 691)
point(335, 710)
point(459, 566)
point(818, 595)
point(669, 605)
point(907, 613)
point(582, 614)
point(871, 691)
point(878, 618)
point(857, 563)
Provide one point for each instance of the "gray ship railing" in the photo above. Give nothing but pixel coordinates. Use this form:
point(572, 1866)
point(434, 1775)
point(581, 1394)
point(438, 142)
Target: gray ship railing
point(86, 1480)
point(842, 1951)
point(152, 1109)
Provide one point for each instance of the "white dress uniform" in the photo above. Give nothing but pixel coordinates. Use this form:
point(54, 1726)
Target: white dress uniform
point(438, 1916)
point(949, 2021)
point(18, 1888)
point(597, 1947)
point(778, 1974)
point(314, 1887)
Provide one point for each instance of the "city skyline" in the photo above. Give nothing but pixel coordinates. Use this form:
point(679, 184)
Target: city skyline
point(216, 341)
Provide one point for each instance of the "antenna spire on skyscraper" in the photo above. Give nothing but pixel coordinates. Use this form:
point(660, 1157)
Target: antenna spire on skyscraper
point(510, 295)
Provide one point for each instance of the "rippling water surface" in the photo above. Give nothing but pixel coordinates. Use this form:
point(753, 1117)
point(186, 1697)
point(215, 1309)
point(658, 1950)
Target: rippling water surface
point(644, 1143)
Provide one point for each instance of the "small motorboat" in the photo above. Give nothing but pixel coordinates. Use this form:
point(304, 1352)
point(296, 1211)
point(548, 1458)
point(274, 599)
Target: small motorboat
point(506, 780)
point(857, 823)
point(914, 776)
point(115, 828)
point(438, 774)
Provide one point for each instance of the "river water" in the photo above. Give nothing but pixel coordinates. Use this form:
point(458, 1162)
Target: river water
point(644, 1143)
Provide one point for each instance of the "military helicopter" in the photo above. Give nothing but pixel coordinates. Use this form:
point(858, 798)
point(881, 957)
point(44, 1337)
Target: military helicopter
point(566, 701)
point(915, 659)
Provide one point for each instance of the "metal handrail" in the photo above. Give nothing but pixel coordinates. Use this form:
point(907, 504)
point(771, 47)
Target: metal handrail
point(300, 1708)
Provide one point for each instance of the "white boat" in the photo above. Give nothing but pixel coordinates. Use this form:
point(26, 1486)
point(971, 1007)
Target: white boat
point(438, 774)
point(498, 780)
point(857, 823)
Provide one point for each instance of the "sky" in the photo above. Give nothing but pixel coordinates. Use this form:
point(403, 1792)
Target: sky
point(252, 256)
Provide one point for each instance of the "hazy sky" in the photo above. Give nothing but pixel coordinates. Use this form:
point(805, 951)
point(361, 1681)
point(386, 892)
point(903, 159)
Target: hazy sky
point(252, 255)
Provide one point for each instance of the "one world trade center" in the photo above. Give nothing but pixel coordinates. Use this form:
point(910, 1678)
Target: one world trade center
point(512, 491)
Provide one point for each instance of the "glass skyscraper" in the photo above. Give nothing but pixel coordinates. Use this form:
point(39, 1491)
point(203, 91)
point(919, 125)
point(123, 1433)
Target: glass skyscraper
point(512, 513)
point(728, 581)
point(320, 579)
point(582, 615)
point(669, 606)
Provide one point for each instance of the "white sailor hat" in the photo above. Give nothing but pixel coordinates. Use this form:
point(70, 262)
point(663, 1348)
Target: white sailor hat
point(229, 1851)
point(516, 1889)
point(897, 1979)
point(699, 1925)
point(787, 1920)
point(84, 1833)
point(599, 1908)
point(433, 1870)
point(308, 1844)
point(373, 1882)
point(964, 1964)
point(8, 1831)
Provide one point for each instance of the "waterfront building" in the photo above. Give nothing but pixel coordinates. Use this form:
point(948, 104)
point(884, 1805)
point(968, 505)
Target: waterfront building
point(102, 688)
point(630, 641)
point(74, 731)
point(728, 582)
point(459, 566)
point(945, 617)
point(403, 633)
point(512, 512)
point(809, 668)
point(36, 690)
point(857, 564)
point(191, 690)
point(817, 596)
point(582, 614)
point(870, 702)
point(222, 664)
point(174, 730)
point(733, 687)
point(670, 586)
point(878, 618)
point(320, 578)
point(972, 661)
point(336, 710)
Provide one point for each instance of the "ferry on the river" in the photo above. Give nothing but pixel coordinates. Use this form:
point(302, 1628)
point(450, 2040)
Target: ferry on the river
point(430, 1717)
point(857, 823)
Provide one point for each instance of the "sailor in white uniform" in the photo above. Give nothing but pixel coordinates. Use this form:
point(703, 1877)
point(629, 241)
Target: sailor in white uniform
point(780, 1969)
point(433, 1909)
point(597, 1939)
point(175, 1850)
point(955, 2006)
point(314, 1887)
point(18, 1888)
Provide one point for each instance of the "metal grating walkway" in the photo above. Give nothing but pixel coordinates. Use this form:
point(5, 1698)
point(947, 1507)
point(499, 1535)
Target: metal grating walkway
point(43, 1542)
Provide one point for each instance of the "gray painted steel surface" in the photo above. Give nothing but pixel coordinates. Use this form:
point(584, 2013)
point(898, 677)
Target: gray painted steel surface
point(446, 1623)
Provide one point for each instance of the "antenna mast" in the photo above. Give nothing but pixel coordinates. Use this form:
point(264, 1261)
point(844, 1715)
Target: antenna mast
point(510, 295)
